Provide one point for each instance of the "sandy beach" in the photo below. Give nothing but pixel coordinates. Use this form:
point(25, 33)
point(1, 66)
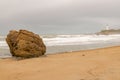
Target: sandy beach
point(97, 64)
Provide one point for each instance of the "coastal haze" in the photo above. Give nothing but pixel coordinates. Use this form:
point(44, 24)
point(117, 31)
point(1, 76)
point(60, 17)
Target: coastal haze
point(82, 39)
point(64, 25)
point(59, 16)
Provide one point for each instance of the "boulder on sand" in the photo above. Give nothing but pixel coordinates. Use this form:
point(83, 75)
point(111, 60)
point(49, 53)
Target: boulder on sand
point(25, 44)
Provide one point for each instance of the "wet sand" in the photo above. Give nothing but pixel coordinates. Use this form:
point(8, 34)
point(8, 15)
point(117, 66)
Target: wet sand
point(97, 64)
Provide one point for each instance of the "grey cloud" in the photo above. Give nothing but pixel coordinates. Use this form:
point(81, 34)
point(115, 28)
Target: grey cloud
point(59, 14)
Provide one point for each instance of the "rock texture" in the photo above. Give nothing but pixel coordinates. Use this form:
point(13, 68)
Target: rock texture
point(25, 44)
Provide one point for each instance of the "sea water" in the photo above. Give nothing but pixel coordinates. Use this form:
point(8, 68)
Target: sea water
point(68, 43)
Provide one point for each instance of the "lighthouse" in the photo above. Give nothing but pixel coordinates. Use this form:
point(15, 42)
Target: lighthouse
point(107, 27)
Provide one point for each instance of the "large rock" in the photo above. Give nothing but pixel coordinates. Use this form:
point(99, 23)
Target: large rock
point(25, 44)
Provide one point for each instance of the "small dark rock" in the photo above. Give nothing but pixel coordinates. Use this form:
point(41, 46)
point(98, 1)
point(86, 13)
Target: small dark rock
point(83, 54)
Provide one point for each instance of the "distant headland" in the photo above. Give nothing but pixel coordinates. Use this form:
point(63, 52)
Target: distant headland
point(108, 31)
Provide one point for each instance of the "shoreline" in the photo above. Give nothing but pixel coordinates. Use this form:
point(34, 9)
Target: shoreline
point(92, 49)
point(95, 64)
point(67, 49)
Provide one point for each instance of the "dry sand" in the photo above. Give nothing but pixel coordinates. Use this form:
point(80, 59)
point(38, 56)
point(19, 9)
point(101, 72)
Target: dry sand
point(98, 64)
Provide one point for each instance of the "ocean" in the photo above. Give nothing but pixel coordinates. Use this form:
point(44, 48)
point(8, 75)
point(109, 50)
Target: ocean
point(68, 43)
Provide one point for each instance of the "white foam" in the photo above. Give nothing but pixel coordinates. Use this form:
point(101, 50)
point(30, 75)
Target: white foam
point(74, 40)
point(79, 39)
point(3, 43)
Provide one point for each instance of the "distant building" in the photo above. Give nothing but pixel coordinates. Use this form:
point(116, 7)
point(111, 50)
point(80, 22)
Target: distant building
point(107, 28)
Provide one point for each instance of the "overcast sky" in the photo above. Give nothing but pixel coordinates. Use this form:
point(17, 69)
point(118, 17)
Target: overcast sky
point(59, 16)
